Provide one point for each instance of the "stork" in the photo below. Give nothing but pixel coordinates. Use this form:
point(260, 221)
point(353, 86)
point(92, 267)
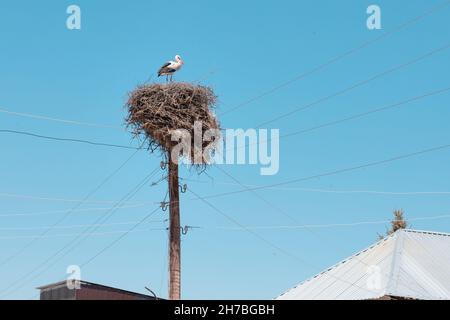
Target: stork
point(170, 67)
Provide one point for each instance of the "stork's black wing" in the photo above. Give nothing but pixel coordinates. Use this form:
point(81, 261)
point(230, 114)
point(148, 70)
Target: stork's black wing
point(164, 69)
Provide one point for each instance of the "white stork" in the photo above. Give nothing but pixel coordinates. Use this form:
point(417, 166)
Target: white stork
point(169, 68)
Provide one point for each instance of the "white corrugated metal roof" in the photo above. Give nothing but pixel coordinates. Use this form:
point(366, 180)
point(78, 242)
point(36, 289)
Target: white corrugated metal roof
point(408, 263)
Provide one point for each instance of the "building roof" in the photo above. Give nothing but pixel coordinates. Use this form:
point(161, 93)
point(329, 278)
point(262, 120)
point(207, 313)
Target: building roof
point(91, 285)
point(408, 264)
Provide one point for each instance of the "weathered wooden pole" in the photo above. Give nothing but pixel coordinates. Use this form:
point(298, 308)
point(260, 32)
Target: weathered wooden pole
point(174, 231)
point(156, 111)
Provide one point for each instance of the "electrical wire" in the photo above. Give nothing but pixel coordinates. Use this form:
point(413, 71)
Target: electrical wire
point(68, 247)
point(432, 10)
point(373, 192)
point(289, 216)
point(65, 121)
point(334, 172)
point(81, 123)
point(55, 199)
point(327, 225)
point(115, 241)
point(349, 118)
point(356, 85)
point(101, 144)
point(65, 216)
point(64, 235)
point(110, 245)
point(72, 226)
point(51, 212)
point(257, 195)
point(267, 242)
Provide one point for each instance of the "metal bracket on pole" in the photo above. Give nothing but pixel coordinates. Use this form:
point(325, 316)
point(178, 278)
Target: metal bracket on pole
point(164, 205)
point(184, 230)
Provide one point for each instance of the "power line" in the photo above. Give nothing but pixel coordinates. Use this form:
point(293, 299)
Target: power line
point(356, 85)
point(331, 173)
point(282, 136)
point(105, 233)
point(269, 243)
point(72, 226)
point(350, 118)
point(340, 57)
point(327, 225)
point(374, 192)
point(245, 228)
point(294, 219)
point(307, 228)
point(304, 226)
point(369, 112)
point(124, 234)
point(60, 120)
point(81, 123)
point(92, 192)
point(268, 92)
point(41, 213)
point(234, 221)
point(258, 195)
point(101, 144)
point(56, 199)
point(427, 150)
point(68, 247)
point(286, 214)
point(121, 237)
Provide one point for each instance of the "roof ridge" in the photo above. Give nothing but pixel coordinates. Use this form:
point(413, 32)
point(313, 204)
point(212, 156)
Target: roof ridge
point(83, 282)
point(438, 233)
point(395, 264)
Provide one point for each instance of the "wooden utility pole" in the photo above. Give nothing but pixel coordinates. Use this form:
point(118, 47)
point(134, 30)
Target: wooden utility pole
point(174, 231)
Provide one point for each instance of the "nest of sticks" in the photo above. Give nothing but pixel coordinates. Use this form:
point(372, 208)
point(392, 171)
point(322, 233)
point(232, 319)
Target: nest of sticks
point(156, 111)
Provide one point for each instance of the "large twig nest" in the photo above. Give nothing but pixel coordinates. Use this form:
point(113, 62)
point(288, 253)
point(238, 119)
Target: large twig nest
point(156, 111)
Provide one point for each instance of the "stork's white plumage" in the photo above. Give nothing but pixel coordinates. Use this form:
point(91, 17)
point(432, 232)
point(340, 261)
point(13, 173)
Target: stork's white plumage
point(170, 67)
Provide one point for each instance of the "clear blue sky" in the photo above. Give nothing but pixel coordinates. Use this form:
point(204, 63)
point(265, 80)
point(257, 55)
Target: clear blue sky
point(251, 47)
